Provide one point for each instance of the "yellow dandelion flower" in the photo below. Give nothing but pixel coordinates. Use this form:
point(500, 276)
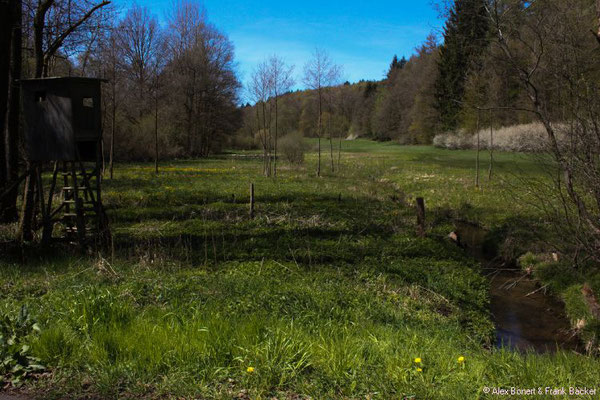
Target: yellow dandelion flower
point(461, 359)
point(419, 369)
point(250, 370)
point(418, 360)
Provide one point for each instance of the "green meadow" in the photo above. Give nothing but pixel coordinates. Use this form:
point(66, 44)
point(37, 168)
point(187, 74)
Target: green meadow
point(327, 293)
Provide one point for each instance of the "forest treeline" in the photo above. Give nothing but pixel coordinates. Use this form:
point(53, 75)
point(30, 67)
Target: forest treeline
point(457, 82)
point(399, 107)
point(173, 89)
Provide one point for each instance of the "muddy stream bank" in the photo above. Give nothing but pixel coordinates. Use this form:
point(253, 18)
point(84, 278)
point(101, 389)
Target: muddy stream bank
point(526, 317)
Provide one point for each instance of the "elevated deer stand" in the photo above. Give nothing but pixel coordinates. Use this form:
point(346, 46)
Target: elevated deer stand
point(64, 127)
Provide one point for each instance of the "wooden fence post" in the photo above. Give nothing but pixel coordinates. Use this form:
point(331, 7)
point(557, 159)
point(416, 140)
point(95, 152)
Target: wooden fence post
point(251, 200)
point(420, 216)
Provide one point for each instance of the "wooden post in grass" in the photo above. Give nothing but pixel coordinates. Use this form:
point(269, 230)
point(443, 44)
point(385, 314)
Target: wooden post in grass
point(491, 148)
point(420, 216)
point(251, 200)
point(478, 148)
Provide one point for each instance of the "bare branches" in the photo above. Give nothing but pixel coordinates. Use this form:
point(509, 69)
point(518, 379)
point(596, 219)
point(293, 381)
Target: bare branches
point(320, 73)
point(557, 64)
point(58, 41)
point(55, 23)
point(281, 80)
point(201, 69)
point(138, 39)
point(260, 89)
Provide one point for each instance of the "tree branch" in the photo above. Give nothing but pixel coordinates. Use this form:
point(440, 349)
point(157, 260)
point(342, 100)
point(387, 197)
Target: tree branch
point(39, 21)
point(53, 48)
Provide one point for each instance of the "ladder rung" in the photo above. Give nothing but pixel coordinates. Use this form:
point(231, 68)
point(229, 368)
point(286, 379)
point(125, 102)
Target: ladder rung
point(78, 173)
point(74, 230)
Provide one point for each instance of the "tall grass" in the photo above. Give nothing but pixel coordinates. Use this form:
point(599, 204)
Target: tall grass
point(326, 293)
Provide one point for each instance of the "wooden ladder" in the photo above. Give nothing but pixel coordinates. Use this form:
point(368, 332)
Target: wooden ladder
point(83, 215)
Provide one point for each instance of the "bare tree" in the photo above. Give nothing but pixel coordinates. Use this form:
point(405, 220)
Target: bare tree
point(11, 117)
point(110, 62)
point(157, 89)
point(6, 26)
point(556, 60)
point(138, 39)
point(186, 23)
point(344, 110)
point(319, 74)
point(260, 90)
point(61, 25)
point(281, 81)
point(202, 72)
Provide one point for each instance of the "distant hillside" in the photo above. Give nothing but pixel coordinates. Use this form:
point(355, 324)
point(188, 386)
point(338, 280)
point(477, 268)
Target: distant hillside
point(400, 107)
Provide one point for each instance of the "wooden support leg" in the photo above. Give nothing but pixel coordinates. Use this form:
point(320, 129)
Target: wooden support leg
point(251, 200)
point(421, 216)
point(48, 224)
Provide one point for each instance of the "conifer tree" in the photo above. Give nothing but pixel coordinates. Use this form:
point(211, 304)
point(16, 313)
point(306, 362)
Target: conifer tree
point(395, 66)
point(465, 37)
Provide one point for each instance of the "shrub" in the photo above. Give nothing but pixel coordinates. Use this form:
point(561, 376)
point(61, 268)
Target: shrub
point(520, 138)
point(440, 140)
point(242, 141)
point(293, 147)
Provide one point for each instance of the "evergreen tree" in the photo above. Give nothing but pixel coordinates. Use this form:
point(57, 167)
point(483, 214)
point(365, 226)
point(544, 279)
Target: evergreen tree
point(395, 66)
point(465, 38)
point(402, 63)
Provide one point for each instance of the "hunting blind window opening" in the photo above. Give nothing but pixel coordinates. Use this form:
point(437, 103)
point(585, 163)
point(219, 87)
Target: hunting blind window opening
point(40, 96)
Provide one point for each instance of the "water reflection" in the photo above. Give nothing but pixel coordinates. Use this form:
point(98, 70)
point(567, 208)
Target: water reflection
point(526, 318)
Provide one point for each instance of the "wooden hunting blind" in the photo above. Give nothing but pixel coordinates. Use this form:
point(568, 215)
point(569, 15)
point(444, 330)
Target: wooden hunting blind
point(63, 118)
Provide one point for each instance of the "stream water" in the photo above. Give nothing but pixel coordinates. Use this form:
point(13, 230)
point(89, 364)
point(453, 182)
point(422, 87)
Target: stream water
point(526, 317)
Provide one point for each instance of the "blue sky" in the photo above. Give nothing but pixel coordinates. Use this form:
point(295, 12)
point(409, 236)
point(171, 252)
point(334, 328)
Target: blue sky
point(361, 36)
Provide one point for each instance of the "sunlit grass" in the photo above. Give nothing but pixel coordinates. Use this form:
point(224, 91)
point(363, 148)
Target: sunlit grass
point(326, 293)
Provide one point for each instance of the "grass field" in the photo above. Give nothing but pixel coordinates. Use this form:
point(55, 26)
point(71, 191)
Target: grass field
point(326, 293)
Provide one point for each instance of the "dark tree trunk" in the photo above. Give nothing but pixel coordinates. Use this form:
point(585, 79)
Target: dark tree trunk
point(39, 21)
point(11, 123)
point(6, 23)
point(27, 212)
point(28, 208)
point(113, 123)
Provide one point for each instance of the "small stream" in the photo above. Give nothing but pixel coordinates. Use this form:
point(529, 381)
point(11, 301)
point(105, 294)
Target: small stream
point(526, 317)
